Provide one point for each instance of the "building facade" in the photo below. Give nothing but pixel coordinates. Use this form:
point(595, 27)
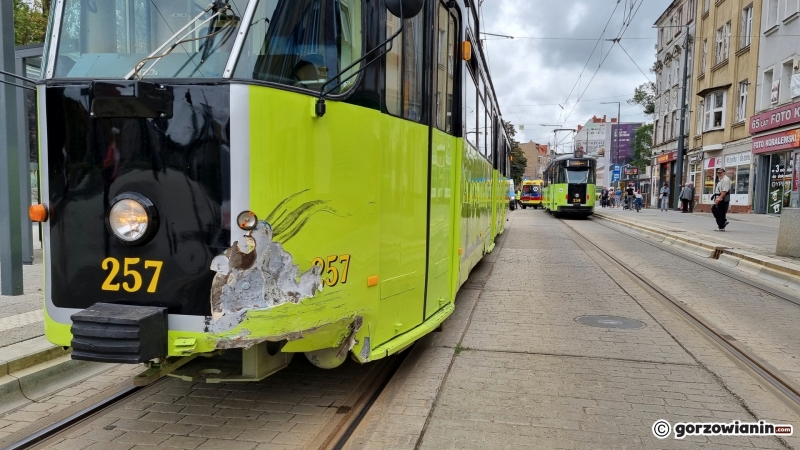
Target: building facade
point(676, 35)
point(611, 143)
point(725, 73)
point(775, 127)
point(538, 158)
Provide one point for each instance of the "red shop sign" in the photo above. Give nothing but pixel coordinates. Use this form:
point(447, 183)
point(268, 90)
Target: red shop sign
point(667, 157)
point(777, 141)
point(776, 118)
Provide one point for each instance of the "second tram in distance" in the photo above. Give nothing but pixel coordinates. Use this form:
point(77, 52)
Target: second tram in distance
point(569, 186)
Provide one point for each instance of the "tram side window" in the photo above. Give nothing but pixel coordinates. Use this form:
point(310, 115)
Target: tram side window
point(405, 68)
point(302, 43)
point(481, 126)
point(470, 107)
point(447, 35)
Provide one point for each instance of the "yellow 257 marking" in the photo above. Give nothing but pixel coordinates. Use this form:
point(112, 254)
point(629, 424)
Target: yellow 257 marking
point(335, 275)
point(112, 265)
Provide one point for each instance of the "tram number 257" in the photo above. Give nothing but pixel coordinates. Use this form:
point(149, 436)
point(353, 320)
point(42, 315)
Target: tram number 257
point(112, 265)
point(330, 267)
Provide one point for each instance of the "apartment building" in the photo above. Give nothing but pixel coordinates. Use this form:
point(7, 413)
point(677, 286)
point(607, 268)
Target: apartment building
point(725, 73)
point(776, 125)
point(676, 30)
point(538, 159)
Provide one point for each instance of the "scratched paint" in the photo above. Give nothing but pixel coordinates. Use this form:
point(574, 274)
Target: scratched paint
point(257, 273)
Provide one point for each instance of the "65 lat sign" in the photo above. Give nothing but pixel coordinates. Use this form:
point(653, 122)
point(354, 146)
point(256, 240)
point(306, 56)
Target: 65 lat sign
point(776, 118)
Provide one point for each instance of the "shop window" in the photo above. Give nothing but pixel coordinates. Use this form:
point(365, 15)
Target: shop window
point(742, 180)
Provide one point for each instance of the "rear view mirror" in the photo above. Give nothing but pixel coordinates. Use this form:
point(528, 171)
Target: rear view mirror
point(410, 7)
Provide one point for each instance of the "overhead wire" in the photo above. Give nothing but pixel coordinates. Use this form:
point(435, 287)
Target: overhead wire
point(589, 59)
point(615, 41)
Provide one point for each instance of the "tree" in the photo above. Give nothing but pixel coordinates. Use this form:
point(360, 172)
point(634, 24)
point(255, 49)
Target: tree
point(644, 95)
point(642, 146)
point(30, 21)
point(518, 160)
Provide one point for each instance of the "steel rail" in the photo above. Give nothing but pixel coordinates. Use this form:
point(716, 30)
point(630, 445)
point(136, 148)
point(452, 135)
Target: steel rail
point(341, 433)
point(773, 376)
point(697, 260)
point(56, 428)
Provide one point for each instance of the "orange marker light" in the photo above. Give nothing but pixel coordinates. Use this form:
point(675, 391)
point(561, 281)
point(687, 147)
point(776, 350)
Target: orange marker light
point(466, 51)
point(38, 213)
point(372, 281)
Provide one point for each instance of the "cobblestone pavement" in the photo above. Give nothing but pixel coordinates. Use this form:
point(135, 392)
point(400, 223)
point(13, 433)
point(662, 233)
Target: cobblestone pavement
point(530, 376)
point(511, 369)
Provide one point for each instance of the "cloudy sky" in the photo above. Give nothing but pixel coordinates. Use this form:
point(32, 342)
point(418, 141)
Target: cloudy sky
point(536, 71)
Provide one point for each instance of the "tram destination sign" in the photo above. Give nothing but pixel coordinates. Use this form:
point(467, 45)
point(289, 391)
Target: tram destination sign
point(577, 163)
point(779, 117)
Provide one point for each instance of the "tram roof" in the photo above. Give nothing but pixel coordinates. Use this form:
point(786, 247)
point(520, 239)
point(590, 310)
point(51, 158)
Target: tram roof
point(568, 156)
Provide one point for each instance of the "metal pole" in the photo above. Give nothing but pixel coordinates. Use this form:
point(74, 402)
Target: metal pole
point(682, 129)
point(24, 167)
point(10, 220)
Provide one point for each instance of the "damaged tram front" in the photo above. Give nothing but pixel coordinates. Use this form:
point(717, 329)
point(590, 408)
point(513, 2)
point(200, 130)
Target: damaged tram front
point(197, 201)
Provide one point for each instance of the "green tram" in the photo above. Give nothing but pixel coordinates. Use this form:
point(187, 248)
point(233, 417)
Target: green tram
point(569, 186)
point(259, 178)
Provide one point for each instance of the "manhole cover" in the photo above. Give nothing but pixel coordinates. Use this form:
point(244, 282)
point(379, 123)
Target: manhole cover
point(622, 323)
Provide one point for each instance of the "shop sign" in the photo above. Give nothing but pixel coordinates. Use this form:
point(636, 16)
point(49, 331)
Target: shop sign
point(737, 159)
point(776, 141)
point(711, 163)
point(785, 115)
point(667, 157)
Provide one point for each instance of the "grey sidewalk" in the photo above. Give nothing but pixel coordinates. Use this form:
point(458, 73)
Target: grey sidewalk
point(757, 233)
point(22, 341)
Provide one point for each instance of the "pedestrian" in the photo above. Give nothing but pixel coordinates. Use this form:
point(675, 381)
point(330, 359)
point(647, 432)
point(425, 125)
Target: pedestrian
point(722, 199)
point(604, 197)
point(691, 201)
point(664, 194)
point(519, 197)
point(686, 197)
point(618, 195)
point(629, 197)
point(638, 200)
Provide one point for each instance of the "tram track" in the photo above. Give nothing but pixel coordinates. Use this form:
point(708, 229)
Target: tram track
point(774, 377)
point(700, 262)
point(334, 434)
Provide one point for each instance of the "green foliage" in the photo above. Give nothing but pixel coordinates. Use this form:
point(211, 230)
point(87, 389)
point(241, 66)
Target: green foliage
point(644, 95)
point(518, 160)
point(30, 22)
point(642, 146)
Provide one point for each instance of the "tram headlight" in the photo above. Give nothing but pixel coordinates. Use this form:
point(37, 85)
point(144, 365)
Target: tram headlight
point(132, 218)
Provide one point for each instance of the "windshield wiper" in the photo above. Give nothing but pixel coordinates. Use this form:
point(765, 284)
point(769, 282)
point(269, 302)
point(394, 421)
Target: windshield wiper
point(217, 6)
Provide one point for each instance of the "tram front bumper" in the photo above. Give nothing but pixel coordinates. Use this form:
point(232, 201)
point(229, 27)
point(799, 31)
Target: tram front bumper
point(575, 209)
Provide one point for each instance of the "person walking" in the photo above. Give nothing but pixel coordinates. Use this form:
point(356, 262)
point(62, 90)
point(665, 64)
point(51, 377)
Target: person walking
point(722, 199)
point(691, 200)
point(638, 200)
point(629, 196)
point(664, 195)
point(686, 197)
point(604, 197)
point(618, 195)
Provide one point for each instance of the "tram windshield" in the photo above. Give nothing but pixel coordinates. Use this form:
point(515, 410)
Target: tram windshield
point(577, 176)
point(302, 43)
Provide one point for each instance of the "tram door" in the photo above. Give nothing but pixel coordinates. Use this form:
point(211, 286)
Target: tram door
point(442, 159)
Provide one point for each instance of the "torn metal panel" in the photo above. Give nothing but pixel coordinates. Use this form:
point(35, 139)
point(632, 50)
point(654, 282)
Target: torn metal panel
point(256, 273)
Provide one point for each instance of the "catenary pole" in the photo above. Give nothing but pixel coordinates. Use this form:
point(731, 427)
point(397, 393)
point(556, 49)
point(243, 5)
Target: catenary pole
point(10, 220)
point(682, 129)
